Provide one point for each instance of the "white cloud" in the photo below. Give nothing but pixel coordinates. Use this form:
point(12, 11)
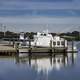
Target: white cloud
point(39, 20)
point(54, 24)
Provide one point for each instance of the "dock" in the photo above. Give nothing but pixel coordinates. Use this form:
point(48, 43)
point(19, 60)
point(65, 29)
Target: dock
point(7, 50)
point(45, 50)
point(10, 50)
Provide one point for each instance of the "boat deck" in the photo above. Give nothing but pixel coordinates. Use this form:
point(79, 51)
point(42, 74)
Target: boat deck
point(45, 50)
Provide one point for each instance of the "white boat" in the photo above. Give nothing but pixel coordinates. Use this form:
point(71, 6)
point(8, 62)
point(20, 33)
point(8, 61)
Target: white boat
point(45, 39)
point(23, 40)
point(42, 39)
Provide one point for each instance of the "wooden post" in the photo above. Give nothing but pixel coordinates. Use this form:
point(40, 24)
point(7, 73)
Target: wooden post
point(64, 47)
point(50, 43)
point(72, 45)
point(29, 43)
point(29, 54)
point(30, 48)
point(54, 46)
point(17, 48)
point(72, 58)
point(72, 52)
point(13, 43)
point(50, 47)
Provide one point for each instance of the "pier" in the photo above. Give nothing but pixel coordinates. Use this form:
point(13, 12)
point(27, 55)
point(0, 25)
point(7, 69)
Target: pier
point(10, 50)
point(50, 49)
point(7, 50)
point(45, 50)
point(42, 43)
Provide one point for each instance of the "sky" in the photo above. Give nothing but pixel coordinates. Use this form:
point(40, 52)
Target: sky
point(39, 15)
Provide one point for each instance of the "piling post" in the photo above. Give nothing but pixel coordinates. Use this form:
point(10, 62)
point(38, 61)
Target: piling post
point(50, 43)
point(72, 58)
point(54, 47)
point(72, 52)
point(30, 48)
point(64, 47)
point(13, 43)
point(72, 45)
point(17, 52)
point(29, 43)
point(50, 47)
point(29, 54)
point(17, 48)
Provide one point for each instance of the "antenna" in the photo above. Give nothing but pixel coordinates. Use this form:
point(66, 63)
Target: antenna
point(4, 29)
point(1, 27)
point(47, 28)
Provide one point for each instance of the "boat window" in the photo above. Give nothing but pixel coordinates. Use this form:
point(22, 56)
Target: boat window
point(54, 43)
point(58, 43)
point(62, 43)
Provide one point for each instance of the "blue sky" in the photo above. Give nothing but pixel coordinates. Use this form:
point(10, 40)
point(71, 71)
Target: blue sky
point(39, 8)
point(36, 15)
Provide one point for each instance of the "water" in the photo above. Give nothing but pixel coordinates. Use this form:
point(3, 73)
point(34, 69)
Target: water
point(44, 68)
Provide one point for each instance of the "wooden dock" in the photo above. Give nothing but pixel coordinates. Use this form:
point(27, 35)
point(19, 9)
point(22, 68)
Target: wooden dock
point(45, 50)
point(10, 50)
point(7, 50)
point(49, 49)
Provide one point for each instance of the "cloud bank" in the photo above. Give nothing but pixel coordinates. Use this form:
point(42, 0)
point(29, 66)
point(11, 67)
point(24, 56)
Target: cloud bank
point(56, 24)
point(37, 15)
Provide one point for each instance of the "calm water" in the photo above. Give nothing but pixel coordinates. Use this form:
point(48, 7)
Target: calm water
point(48, 68)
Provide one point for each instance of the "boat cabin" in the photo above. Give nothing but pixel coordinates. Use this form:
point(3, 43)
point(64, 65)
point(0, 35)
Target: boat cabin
point(45, 39)
point(42, 39)
point(59, 42)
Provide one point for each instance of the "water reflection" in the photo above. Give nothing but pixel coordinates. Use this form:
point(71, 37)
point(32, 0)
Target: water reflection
point(48, 63)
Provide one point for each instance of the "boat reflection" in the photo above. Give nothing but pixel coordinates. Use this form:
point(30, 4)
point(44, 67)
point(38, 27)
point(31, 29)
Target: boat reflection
point(48, 63)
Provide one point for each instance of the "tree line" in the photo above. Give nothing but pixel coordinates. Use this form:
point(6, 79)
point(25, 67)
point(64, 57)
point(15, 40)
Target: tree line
point(30, 35)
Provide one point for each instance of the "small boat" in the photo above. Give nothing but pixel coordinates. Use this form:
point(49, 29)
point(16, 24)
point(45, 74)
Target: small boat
point(23, 41)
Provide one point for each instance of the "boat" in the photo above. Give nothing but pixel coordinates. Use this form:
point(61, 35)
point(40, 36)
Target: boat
point(45, 40)
point(42, 39)
point(23, 40)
